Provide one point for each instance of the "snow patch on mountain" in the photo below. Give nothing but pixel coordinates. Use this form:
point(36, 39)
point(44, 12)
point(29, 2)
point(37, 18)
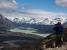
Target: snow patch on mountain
point(37, 20)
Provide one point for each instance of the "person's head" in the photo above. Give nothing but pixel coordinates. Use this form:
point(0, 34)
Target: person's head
point(59, 23)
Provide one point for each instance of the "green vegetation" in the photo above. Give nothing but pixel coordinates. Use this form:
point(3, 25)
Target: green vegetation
point(29, 31)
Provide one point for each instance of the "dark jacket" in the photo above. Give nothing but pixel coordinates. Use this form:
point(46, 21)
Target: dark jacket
point(58, 29)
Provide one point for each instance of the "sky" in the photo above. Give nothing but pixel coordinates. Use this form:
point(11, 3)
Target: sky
point(39, 8)
point(46, 5)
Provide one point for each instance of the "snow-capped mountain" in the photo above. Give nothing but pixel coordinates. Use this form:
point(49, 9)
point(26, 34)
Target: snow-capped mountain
point(33, 20)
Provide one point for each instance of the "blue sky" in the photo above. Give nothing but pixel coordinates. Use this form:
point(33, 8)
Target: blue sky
point(46, 5)
point(34, 8)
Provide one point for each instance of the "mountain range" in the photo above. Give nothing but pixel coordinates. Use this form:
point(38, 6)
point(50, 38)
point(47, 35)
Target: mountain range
point(35, 20)
point(41, 24)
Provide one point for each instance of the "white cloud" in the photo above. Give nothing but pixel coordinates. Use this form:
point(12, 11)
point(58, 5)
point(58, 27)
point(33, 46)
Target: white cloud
point(31, 12)
point(37, 14)
point(61, 3)
point(45, 14)
point(7, 3)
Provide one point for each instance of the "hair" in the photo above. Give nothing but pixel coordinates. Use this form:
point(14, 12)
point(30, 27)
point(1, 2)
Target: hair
point(59, 23)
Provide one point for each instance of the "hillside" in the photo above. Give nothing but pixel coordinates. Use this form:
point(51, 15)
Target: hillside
point(5, 23)
point(48, 42)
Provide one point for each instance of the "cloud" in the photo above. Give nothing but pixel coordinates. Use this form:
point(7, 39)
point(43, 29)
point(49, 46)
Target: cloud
point(29, 11)
point(8, 4)
point(61, 3)
point(38, 14)
point(45, 14)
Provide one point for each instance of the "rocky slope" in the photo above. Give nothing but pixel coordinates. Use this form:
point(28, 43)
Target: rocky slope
point(5, 23)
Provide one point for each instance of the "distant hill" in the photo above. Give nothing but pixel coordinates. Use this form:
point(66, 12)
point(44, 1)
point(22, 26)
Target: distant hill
point(5, 23)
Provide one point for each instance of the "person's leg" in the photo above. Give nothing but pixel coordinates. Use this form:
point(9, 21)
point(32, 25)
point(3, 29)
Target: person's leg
point(60, 42)
point(56, 41)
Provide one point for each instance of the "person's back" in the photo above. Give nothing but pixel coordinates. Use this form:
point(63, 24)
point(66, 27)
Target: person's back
point(58, 29)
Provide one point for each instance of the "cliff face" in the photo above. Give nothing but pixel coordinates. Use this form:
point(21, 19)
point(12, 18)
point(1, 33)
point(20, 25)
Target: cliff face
point(5, 23)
